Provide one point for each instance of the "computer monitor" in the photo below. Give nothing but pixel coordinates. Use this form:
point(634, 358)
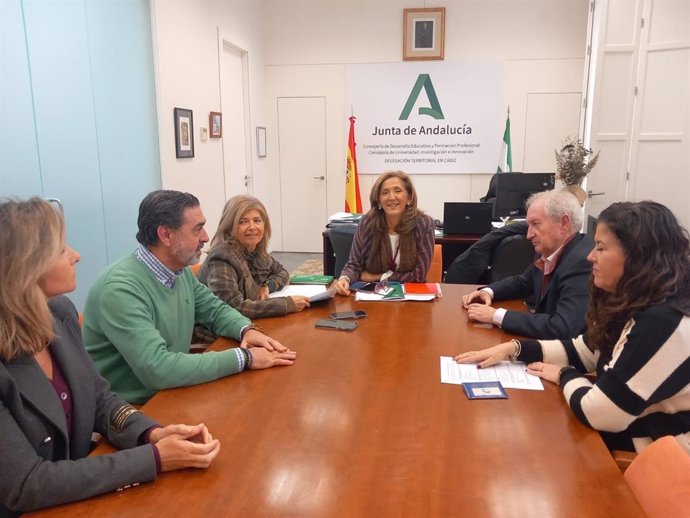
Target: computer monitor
point(513, 189)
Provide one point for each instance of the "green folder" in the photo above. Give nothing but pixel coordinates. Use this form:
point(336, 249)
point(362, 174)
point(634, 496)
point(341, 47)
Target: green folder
point(311, 279)
point(397, 293)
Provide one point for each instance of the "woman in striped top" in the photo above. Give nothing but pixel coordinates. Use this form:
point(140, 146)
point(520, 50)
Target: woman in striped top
point(638, 333)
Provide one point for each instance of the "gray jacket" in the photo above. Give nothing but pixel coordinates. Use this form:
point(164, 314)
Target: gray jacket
point(34, 430)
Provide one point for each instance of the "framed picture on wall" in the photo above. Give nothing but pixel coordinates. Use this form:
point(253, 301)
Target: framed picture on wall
point(424, 33)
point(184, 133)
point(215, 122)
point(261, 141)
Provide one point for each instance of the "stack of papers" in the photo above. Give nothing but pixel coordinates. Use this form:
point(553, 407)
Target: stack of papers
point(510, 374)
point(344, 217)
point(313, 292)
point(393, 291)
point(419, 291)
point(422, 290)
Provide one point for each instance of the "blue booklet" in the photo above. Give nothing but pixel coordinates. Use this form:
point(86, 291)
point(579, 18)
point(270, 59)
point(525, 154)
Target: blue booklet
point(485, 390)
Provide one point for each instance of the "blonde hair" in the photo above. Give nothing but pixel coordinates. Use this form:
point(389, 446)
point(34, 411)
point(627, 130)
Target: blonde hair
point(32, 237)
point(234, 209)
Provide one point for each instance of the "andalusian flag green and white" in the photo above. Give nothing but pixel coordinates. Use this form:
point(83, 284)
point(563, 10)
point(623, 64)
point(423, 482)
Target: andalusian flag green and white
point(505, 162)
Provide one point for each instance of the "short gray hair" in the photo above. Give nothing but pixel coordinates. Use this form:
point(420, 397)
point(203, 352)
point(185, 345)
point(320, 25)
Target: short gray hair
point(558, 203)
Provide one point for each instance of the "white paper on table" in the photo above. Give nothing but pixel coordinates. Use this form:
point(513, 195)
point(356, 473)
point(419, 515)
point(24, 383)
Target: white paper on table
point(422, 297)
point(313, 291)
point(510, 374)
point(368, 297)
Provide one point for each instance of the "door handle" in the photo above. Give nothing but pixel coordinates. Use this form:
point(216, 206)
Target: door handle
point(319, 177)
point(590, 194)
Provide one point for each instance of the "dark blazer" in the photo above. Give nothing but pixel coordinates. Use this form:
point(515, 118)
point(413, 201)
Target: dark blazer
point(560, 312)
point(34, 431)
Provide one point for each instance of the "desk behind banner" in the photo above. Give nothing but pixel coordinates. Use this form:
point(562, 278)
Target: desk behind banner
point(361, 425)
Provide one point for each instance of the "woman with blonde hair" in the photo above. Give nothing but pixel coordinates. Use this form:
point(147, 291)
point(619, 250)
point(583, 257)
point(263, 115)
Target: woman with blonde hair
point(394, 240)
point(239, 269)
point(52, 398)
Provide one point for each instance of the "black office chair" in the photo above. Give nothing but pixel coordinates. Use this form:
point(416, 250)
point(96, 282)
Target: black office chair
point(511, 256)
point(341, 237)
point(472, 266)
point(490, 196)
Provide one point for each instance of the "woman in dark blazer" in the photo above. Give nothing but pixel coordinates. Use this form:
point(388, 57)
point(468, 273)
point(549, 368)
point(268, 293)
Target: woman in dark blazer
point(51, 397)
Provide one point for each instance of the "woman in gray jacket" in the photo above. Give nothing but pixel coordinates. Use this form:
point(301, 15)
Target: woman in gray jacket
point(51, 396)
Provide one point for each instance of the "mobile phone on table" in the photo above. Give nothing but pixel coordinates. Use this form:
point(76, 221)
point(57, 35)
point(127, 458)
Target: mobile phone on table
point(367, 287)
point(336, 324)
point(346, 315)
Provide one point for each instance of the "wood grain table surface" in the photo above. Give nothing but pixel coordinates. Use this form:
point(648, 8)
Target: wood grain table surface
point(361, 426)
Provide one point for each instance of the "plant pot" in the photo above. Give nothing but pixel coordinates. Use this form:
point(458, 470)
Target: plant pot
point(578, 192)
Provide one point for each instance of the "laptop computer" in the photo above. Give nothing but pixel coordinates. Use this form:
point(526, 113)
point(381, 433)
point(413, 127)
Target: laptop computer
point(467, 217)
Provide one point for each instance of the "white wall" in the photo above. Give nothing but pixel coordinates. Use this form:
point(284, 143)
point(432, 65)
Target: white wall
point(77, 103)
point(186, 51)
point(301, 47)
point(308, 44)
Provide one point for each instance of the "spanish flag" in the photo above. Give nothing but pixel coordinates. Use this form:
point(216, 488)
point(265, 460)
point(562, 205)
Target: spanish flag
point(353, 201)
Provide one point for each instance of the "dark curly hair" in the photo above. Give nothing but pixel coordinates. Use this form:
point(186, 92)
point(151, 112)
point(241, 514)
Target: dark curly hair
point(656, 269)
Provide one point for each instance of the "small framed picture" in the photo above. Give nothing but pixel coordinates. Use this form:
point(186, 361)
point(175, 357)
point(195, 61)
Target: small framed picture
point(184, 133)
point(215, 123)
point(424, 33)
point(261, 141)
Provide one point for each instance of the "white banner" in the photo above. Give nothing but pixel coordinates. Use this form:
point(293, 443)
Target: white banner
point(442, 117)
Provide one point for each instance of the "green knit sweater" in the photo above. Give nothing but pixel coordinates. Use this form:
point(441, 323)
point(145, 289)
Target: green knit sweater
point(138, 331)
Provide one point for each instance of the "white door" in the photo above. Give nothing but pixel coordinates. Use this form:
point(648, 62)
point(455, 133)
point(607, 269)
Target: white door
point(302, 148)
point(641, 109)
point(660, 151)
point(235, 107)
point(616, 38)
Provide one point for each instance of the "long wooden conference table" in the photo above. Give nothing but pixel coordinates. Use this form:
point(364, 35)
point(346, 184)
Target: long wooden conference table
point(361, 426)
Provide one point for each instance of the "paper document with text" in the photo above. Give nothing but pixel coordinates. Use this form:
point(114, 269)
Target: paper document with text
point(511, 375)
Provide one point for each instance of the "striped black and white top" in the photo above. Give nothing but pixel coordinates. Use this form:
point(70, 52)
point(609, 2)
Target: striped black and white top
point(641, 393)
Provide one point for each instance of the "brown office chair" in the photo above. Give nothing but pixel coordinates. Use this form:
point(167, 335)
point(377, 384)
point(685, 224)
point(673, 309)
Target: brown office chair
point(435, 273)
point(195, 268)
point(660, 479)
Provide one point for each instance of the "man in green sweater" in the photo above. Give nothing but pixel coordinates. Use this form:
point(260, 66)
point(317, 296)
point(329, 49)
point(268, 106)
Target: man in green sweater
point(140, 313)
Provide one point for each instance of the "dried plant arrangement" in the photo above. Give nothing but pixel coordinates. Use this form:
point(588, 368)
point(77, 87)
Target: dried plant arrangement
point(574, 161)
